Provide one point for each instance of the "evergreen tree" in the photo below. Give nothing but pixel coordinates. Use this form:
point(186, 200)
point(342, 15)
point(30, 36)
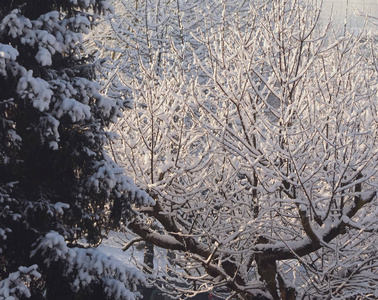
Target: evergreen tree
point(58, 186)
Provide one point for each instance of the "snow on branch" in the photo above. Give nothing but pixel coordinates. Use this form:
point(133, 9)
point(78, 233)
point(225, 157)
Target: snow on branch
point(86, 266)
point(7, 53)
point(15, 286)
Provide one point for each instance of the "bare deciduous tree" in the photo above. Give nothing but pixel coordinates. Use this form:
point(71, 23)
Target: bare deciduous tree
point(262, 157)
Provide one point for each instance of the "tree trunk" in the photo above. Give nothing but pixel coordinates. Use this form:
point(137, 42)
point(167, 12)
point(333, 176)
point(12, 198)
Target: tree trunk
point(148, 258)
point(267, 270)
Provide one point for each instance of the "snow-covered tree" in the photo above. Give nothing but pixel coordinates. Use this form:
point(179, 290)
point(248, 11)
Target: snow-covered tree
point(147, 41)
point(262, 157)
point(59, 190)
point(149, 32)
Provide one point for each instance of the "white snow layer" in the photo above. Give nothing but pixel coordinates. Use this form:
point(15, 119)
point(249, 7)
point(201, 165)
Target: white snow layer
point(91, 265)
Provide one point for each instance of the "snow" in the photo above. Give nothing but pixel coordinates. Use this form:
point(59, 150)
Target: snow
point(52, 132)
point(7, 53)
point(114, 242)
point(43, 56)
point(308, 151)
point(54, 96)
point(15, 23)
point(75, 109)
point(15, 286)
point(14, 136)
point(87, 265)
point(109, 176)
point(59, 207)
point(318, 165)
point(36, 89)
point(116, 290)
